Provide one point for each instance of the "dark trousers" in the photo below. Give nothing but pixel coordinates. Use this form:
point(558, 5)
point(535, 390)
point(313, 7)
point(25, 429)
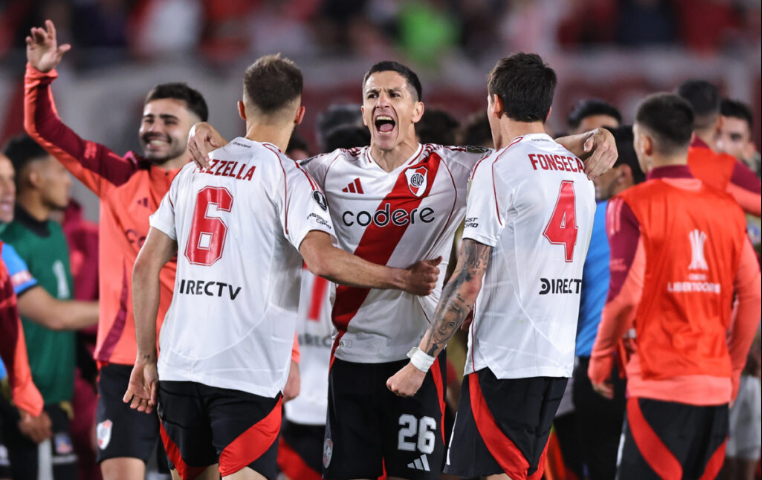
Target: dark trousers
point(599, 422)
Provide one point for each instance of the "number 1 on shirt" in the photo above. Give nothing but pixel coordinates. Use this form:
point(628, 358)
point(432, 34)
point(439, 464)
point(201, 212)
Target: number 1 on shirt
point(562, 227)
point(206, 239)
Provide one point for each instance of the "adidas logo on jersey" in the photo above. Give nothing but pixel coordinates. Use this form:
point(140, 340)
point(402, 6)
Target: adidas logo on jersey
point(420, 464)
point(354, 187)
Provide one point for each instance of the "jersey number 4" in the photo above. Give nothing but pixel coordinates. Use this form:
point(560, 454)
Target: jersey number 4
point(206, 240)
point(562, 227)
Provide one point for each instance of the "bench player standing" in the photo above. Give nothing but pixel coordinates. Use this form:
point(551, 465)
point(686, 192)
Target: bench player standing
point(679, 254)
point(130, 188)
point(528, 224)
point(392, 203)
point(239, 229)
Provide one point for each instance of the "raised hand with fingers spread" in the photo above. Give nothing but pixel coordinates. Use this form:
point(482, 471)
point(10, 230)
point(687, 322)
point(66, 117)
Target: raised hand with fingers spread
point(42, 49)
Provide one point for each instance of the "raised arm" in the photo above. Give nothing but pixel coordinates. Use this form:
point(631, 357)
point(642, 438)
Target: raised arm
point(457, 301)
point(158, 249)
point(338, 266)
point(597, 148)
point(93, 164)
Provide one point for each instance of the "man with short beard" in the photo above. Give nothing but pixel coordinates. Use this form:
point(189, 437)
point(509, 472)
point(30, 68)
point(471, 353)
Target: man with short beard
point(130, 188)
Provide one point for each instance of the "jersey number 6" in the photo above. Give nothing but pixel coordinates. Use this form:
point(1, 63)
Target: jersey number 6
point(206, 240)
point(562, 227)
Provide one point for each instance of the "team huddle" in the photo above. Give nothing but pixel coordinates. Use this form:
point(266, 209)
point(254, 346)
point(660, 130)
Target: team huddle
point(215, 290)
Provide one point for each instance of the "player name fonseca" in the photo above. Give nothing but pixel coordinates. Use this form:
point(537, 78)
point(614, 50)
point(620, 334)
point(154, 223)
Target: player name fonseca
point(210, 289)
point(560, 286)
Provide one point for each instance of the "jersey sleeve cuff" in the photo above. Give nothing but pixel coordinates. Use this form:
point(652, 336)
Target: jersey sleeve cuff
point(168, 230)
point(300, 238)
point(478, 237)
point(32, 72)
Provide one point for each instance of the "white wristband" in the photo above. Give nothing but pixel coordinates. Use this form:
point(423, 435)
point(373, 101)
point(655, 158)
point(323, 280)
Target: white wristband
point(420, 359)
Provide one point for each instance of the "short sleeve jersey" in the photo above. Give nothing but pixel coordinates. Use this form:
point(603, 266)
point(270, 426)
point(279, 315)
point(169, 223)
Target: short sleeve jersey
point(532, 203)
point(396, 219)
point(238, 227)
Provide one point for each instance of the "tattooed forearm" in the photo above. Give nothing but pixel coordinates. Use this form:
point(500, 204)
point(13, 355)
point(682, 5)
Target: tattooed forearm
point(458, 296)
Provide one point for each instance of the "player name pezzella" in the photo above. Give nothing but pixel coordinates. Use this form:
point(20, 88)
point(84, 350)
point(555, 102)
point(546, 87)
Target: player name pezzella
point(224, 168)
point(560, 285)
point(210, 289)
point(556, 162)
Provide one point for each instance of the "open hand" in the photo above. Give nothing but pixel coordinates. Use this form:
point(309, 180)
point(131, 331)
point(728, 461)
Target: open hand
point(407, 381)
point(604, 153)
point(141, 391)
point(423, 277)
point(42, 50)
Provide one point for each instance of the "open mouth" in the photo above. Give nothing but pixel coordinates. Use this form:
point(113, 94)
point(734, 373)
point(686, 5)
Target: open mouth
point(6, 205)
point(385, 124)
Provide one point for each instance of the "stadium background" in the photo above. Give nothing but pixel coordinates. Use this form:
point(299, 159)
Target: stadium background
point(618, 50)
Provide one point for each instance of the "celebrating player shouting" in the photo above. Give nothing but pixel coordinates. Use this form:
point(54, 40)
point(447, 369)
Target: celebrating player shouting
point(238, 229)
point(393, 203)
point(130, 189)
point(528, 223)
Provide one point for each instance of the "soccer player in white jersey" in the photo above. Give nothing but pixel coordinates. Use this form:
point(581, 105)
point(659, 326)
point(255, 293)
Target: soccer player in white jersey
point(391, 202)
point(528, 223)
point(238, 229)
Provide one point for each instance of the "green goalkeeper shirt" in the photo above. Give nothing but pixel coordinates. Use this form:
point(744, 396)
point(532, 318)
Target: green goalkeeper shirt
point(43, 247)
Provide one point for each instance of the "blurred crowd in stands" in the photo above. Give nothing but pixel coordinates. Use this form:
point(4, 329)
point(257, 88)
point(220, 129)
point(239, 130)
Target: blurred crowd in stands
point(424, 32)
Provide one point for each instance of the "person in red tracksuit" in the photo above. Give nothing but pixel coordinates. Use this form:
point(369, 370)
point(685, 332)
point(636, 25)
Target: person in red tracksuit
point(679, 255)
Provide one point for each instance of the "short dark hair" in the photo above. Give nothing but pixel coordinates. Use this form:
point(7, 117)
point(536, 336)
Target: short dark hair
point(670, 119)
point(347, 136)
point(588, 108)
point(704, 98)
point(391, 66)
point(624, 144)
point(337, 115)
point(193, 99)
point(737, 109)
point(23, 150)
point(437, 126)
point(525, 84)
point(476, 130)
point(272, 82)
point(296, 143)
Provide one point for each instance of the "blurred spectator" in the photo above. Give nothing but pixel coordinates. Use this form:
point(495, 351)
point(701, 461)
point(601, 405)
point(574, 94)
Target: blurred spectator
point(297, 148)
point(337, 115)
point(476, 132)
point(42, 187)
point(274, 28)
point(591, 114)
point(436, 126)
point(347, 136)
point(599, 420)
point(427, 30)
point(736, 133)
point(165, 26)
point(646, 22)
point(588, 22)
point(721, 171)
